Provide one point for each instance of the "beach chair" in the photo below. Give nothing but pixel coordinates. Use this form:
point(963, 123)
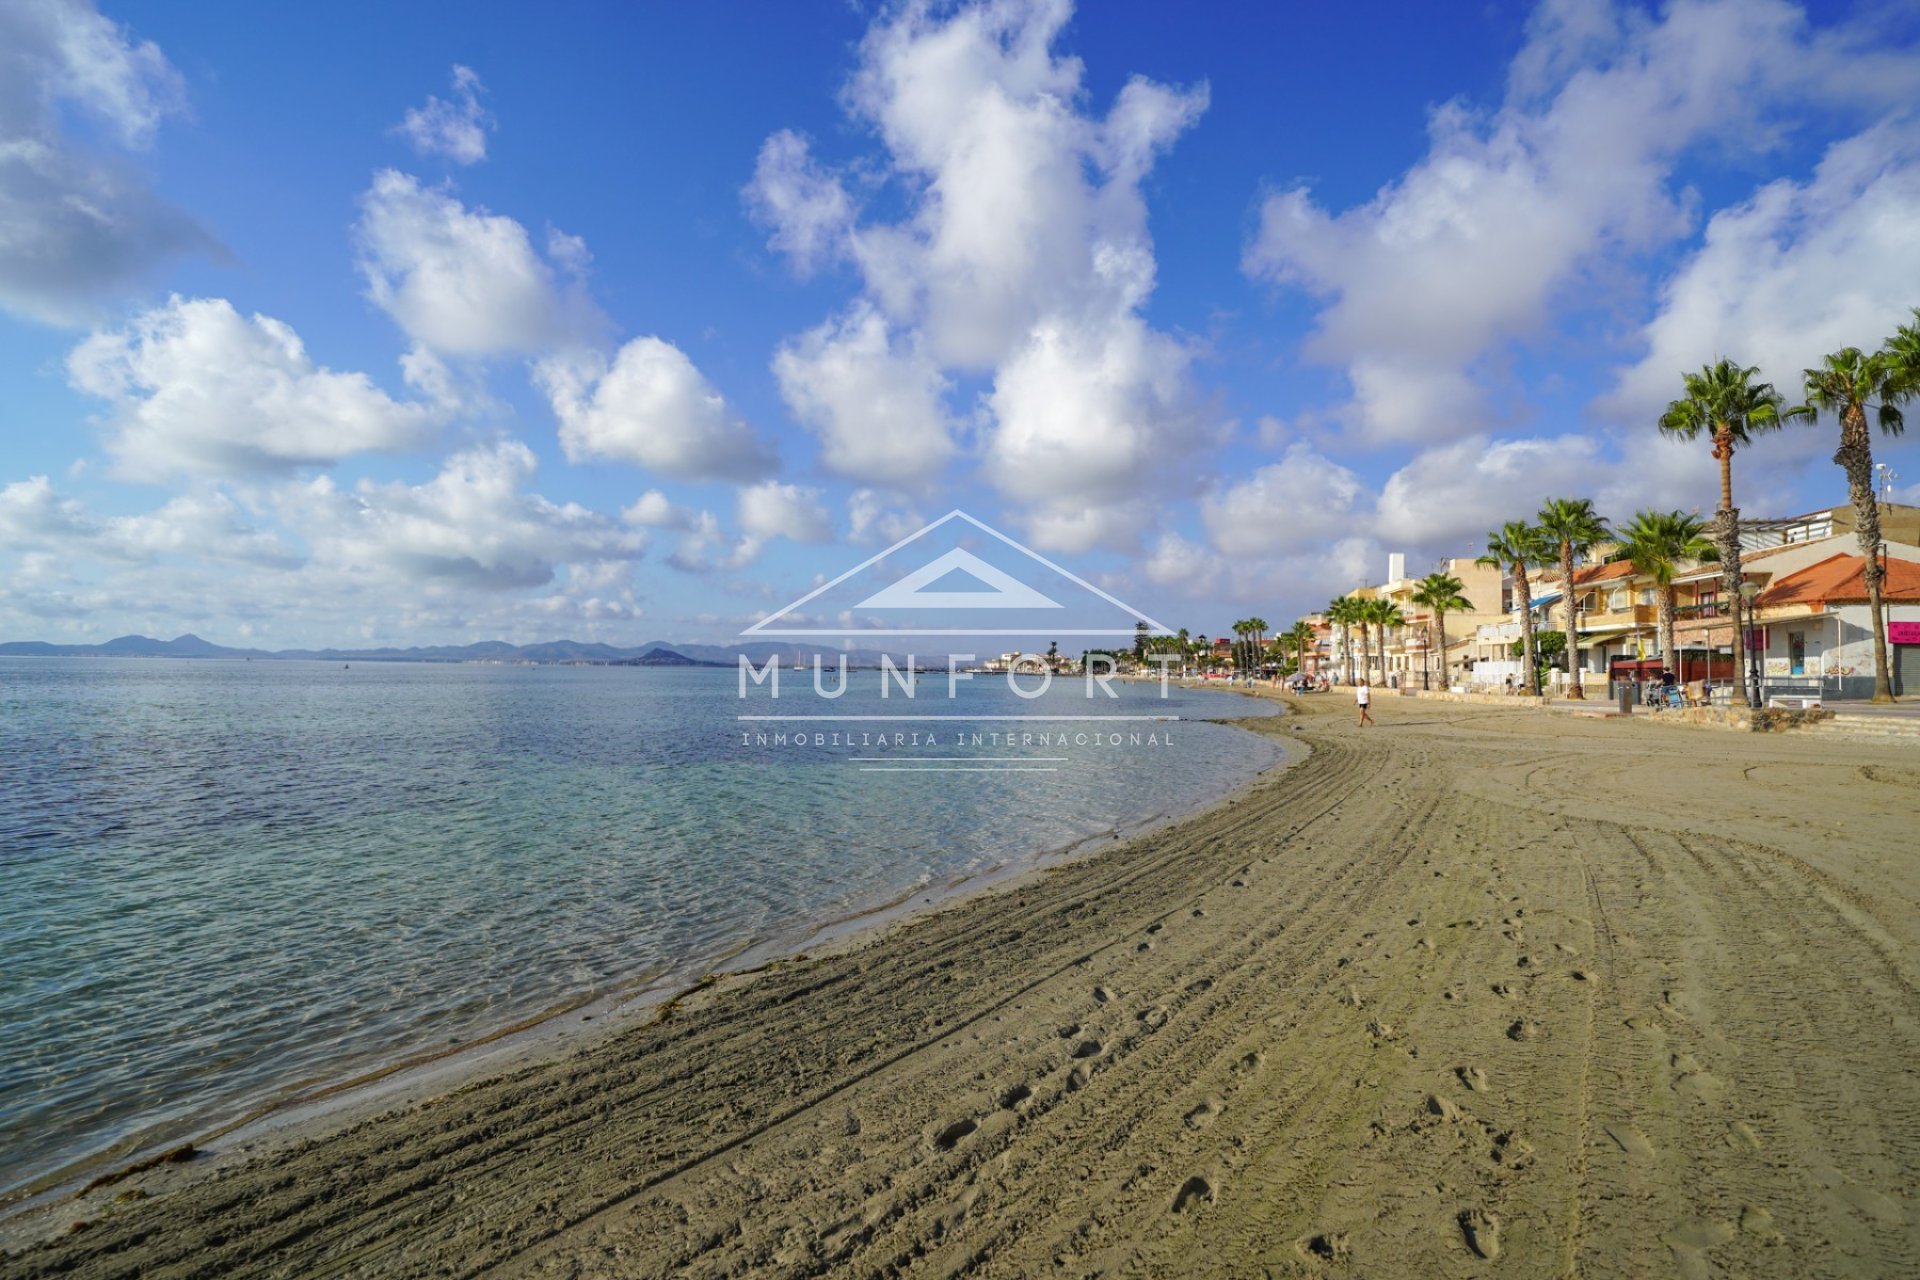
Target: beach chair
point(1696, 693)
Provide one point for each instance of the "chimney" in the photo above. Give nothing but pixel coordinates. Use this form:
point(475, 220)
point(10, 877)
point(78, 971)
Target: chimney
point(1396, 566)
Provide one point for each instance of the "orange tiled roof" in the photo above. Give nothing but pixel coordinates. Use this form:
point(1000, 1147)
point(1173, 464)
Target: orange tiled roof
point(1841, 579)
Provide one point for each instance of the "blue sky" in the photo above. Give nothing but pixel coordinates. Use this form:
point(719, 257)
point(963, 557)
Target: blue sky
point(431, 323)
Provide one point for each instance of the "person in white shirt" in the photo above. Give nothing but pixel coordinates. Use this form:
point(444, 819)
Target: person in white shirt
point(1363, 695)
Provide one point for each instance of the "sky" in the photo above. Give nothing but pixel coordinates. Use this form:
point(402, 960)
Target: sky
point(431, 323)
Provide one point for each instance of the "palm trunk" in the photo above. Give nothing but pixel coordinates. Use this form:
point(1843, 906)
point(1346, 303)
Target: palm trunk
point(1856, 457)
point(1380, 645)
point(1730, 575)
point(1366, 651)
point(1530, 682)
point(1729, 539)
point(1574, 689)
point(1664, 624)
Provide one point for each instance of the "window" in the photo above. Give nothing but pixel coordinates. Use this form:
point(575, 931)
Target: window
point(1709, 602)
point(1797, 652)
point(1649, 596)
point(1618, 600)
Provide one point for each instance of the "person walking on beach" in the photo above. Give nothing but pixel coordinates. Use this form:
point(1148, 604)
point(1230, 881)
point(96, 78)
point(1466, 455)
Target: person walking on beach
point(1363, 696)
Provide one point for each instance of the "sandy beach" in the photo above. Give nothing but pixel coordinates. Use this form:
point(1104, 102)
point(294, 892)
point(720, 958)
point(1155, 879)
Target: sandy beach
point(1478, 991)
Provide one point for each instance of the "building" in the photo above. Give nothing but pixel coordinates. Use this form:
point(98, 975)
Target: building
point(1813, 627)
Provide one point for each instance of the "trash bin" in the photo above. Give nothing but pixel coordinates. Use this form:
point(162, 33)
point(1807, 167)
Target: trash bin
point(1623, 696)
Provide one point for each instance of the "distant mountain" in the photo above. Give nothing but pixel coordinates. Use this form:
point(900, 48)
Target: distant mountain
point(654, 653)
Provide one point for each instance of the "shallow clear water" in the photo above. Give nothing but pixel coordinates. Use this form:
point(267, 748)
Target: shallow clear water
point(223, 880)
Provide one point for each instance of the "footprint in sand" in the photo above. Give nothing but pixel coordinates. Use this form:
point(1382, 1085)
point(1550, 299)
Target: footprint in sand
point(1472, 1077)
point(1742, 1135)
point(950, 1137)
point(1698, 1236)
point(1195, 1193)
point(1524, 1029)
point(1439, 1106)
point(1016, 1096)
point(1328, 1246)
point(1087, 1049)
point(1153, 1019)
point(1199, 986)
point(1077, 1079)
point(1502, 990)
point(1512, 1152)
point(1105, 995)
point(1203, 1115)
point(1482, 1230)
point(1249, 1063)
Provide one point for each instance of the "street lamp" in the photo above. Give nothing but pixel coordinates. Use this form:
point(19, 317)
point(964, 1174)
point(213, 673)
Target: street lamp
point(1748, 590)
point(1426, 658)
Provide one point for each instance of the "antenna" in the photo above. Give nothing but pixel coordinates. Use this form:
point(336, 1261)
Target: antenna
point(1887, 476)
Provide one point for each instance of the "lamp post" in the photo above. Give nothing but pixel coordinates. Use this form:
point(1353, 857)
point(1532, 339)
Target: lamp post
point(1748, 590)
point(1426, 658)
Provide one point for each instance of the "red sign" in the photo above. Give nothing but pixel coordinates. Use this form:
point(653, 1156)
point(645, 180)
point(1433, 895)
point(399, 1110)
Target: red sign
point(1903, 633)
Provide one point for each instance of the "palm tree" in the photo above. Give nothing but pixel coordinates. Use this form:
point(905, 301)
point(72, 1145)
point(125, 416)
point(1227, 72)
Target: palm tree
point(1302, 637)
point(1659, 543)
point(1517, 546)
point(1383, 613)
point(1845, 384)
point(1257, 628)
point(1726, 405)
point(1443, 593)
point(1574, 527)
point(1341, 613)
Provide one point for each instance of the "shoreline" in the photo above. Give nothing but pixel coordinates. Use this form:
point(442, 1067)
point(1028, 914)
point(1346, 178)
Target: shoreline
point(305, 1110)
point(1430, 998)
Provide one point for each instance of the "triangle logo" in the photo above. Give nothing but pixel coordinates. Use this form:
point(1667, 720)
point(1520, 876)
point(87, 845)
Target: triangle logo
point(917, 589)
point(957, 576)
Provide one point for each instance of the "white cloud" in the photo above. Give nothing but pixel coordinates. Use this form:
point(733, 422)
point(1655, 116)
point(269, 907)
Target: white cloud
point(1294, 503)
point(1023, 255)
point(472, 526)
point(874, 517)
point(79, 224)
point(774, 510)
point(1447, 498)
point(1795, 272)
point(455, 129)
point(466, 282)
point(873, 399)
point(197, 388)
point(204, 526)
point(803, 205)
point(654, 510)
point(653, 407)
point(1470, 250)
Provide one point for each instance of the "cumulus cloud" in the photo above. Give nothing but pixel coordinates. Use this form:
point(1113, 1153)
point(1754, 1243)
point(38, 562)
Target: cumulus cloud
point(874, 517)
point(472, 526)
point(1299, 501)
point(1796, 271)
point(1023, 255)
point(78, 223)
point(200, 526)
point(1469, 250)
point(196, 388)
point(456, 129)
point(650, 405)
point(774, 510)
point(466, 282)
point(1450, 496)
point(806, 210)
point(874, 400)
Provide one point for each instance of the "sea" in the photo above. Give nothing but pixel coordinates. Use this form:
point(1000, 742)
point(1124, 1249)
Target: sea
point(228, 883)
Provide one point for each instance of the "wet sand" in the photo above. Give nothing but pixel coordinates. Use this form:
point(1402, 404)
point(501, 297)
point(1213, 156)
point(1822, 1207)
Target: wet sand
point(1478, 991)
